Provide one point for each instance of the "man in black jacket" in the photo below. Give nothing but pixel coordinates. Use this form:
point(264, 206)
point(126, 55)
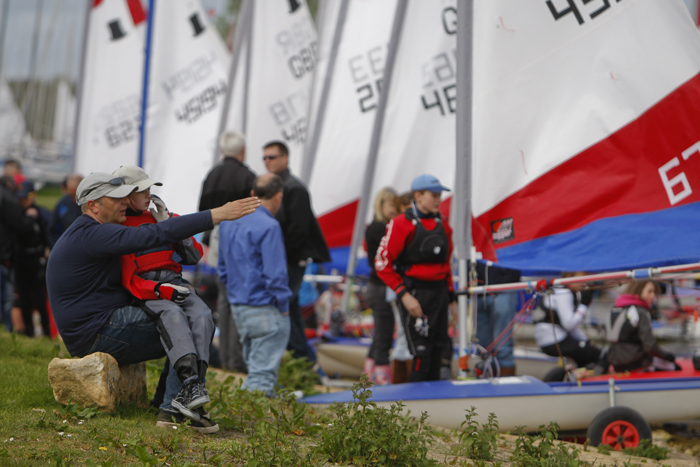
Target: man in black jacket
point(228, 181)
point(13, 222)
point(303, 239)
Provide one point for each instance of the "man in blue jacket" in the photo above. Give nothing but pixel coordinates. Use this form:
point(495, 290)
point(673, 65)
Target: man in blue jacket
point(253, 266)
point(93, 312)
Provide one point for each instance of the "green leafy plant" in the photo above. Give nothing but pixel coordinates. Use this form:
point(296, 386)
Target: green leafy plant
point(297, 374)
point(649, 450)
point(477, 441)
point(365, 434)
point(543, 450)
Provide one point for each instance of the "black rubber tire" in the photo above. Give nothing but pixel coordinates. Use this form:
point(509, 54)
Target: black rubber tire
point(615, 414)
point(555, 375)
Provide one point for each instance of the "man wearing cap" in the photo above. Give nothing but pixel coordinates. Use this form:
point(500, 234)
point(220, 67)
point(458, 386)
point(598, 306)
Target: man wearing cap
point(30, 262)
point(154, 276)
point(92, 310)
point(415, 259)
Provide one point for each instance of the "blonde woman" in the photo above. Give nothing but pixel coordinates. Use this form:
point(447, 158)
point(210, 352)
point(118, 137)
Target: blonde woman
point(377, 365)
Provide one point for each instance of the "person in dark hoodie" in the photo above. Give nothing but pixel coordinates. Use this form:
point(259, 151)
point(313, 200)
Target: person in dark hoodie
point(632, 344)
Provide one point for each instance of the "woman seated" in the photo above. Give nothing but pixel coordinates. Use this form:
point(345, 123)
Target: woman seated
point(632, 344)
point(557, 321)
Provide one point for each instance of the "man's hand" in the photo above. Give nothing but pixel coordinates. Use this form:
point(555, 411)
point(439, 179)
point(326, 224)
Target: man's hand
point(172, 292)
point(422, 327)
point(411, 305)
point(234, 210)
point(160, 211)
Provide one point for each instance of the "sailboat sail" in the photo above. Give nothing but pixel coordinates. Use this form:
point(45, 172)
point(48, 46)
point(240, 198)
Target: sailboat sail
point(419, 129)
point(108, 130)
point(341, 155)
point(64, 116)
point(188, 83)
point(12, 125)
point(586, 143)
point(282, 48)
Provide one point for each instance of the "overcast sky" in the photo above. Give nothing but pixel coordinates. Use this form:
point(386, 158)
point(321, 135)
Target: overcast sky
point(61, 32)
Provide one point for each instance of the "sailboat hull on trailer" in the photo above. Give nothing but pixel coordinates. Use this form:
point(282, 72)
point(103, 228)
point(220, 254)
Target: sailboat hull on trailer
point(525, 401)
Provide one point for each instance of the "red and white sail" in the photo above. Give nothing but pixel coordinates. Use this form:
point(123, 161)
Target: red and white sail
point(276, 65)
point(588, 113)
point(341, 155)
point(110, 102)
point(187, 87)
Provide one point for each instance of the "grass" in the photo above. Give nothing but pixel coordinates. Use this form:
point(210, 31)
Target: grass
point(255, 430)
point(48, 196)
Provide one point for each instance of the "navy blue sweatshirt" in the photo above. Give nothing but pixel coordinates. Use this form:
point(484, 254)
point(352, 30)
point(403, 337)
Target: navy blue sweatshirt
point(84, 271)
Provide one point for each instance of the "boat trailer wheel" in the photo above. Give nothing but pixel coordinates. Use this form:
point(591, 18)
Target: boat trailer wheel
point(618, 427)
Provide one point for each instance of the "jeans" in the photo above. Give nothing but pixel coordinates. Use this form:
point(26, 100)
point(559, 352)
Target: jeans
point(131, 336)
point(264, 335)
point(493, 314)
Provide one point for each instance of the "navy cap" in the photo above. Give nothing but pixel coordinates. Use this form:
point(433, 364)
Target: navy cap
point(428, 182)
point(24, 189)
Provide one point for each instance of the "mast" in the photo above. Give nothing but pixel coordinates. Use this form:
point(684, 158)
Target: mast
point(307, 163)
point(146, 72)
point(3, 33)
point(81, 83)
point(248, 59)
point(30, 88)
point(368, 178)
point(242, 28)
point(461, 200)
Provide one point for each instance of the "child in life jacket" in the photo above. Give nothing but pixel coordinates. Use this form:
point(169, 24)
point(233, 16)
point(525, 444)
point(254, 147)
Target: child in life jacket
point(154, 276)
point(632, 344)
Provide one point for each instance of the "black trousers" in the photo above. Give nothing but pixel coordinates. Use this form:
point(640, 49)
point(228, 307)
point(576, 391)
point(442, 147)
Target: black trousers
point(428, 350)
point(383, 323)
point(582, 352)
point(31, 288)
point(297, 335)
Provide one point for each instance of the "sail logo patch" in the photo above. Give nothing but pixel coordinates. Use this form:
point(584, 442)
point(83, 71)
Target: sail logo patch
point(502, 230)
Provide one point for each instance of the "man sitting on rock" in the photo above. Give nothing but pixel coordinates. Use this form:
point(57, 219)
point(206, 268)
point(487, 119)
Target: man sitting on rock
point(93, 312)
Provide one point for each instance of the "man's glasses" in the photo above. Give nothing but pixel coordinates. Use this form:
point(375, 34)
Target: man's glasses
point(270, 158)
point(117, 181)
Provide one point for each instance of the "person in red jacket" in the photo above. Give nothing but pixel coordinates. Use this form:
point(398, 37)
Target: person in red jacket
point(154, 277)
point(415, 259)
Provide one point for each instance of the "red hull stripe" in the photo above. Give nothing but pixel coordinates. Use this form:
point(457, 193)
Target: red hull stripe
point(619, 175)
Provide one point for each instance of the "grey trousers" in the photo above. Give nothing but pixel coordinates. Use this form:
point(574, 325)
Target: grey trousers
point(230, 348)
point(184, 329)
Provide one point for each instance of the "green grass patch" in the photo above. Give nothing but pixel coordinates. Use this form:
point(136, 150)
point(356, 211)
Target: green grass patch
point(48, 196)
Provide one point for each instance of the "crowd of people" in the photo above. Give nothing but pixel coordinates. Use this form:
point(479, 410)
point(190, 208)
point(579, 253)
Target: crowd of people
point(120, 290)
point(27, 234)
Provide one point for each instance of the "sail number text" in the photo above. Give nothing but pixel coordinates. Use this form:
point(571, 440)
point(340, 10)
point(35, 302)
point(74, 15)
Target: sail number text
point(561, 8)
point(681, 180)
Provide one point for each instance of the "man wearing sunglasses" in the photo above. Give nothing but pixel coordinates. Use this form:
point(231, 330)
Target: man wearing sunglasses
point(303, 239)
point(93, 312)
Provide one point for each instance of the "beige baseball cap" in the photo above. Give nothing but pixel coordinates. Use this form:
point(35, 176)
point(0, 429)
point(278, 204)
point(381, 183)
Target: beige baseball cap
point(99, 184)
point(136, 176)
